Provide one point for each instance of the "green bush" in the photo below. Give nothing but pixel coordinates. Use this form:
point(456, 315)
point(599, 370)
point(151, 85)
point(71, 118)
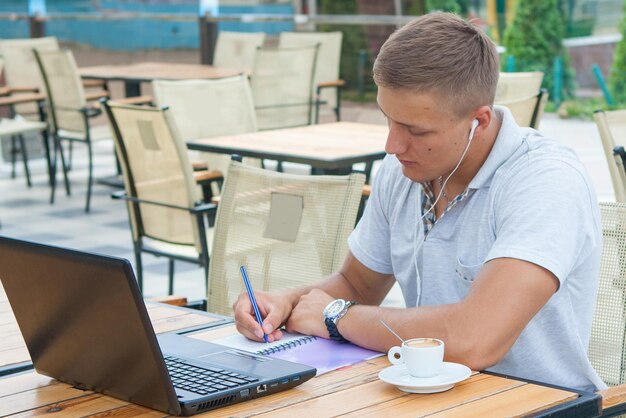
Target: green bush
point(535, 39)
point(617, 79)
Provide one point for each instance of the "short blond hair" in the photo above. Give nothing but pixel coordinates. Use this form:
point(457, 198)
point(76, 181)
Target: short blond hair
point(443, 54)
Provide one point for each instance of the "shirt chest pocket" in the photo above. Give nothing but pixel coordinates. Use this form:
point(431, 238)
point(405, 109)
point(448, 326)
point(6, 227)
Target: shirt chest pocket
point(466, 272)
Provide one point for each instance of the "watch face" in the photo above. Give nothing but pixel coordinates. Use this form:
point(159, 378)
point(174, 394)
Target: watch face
point(334, 308)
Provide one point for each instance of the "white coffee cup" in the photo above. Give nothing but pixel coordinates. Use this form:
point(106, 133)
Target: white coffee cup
point(423, 357)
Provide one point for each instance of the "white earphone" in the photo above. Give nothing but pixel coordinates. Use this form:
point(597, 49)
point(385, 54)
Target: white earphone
point(475, 124)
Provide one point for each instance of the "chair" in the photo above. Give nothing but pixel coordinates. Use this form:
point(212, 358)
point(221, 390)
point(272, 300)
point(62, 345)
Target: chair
point(611, 125)
point(522, 93)
point(68, 111)
point(607, 347)
point(21, 71)
point(287, 229)
point(15, 129)
point(208, 108)
point(165, 211)
point(327, 84)
point(282, 85)
point(237, 49)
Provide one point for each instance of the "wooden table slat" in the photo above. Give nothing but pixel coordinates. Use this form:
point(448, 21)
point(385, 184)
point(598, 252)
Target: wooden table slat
point(519, 401)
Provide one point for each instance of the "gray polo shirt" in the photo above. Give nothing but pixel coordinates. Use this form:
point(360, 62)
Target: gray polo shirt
point(531, 200)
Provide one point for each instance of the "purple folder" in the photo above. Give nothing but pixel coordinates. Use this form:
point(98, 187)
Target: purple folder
point(325, 355)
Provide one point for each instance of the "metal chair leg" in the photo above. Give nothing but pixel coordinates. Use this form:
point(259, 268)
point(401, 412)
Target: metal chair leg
point(90, 176)
point(64, 166)
point(170, 289)
point(139, 267)
point(13, 152)
point(25, 159)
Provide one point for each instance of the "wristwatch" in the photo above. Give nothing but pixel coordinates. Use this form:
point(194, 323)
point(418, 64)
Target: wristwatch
point(333, 312)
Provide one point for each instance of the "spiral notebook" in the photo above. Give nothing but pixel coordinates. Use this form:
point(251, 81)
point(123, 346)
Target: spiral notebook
point(325, 355)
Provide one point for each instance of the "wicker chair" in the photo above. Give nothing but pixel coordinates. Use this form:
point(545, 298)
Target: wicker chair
point(69, 112)
point(237, 49)
point(288, 230)
point(523, 95)
point(611, 125)
point(282, 86)
point(165, 211)
point(326, 83)
point(209, 108)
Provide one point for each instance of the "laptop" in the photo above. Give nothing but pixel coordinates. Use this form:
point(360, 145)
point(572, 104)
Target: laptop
point(85, 323)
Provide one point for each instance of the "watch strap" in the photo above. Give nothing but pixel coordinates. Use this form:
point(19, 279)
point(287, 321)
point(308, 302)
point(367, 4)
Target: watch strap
point(331, 324)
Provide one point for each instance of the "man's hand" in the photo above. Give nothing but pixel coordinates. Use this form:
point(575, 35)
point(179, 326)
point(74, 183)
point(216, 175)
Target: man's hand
point(274, 307)
point(308, 315)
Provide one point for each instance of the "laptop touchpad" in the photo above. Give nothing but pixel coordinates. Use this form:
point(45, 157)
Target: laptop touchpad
point(233, 358)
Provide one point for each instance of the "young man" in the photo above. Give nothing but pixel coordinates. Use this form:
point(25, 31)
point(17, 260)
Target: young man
point(491, 230)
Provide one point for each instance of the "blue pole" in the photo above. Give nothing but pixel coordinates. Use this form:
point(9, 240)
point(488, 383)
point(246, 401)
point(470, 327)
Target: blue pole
point(597, 72)
point(558, 81)
point(510, 64)
point(360, 80)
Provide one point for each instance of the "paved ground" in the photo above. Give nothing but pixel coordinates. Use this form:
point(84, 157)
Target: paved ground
point(26, 213)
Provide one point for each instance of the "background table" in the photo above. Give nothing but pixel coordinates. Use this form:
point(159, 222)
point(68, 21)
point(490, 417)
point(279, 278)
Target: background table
point(352, 392)
point(14, 355)
point(330, 148)
point(133, 74)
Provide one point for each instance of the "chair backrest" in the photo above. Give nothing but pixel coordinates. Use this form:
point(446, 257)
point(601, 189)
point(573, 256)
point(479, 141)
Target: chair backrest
point(611, 125)
point(521, 92)
point(527, 111)
point(328, 57)
point(21, 68)
point(156, 168)
point(209, 108)
point(237, 49)
point(287, 229)
point(607, 346)
point(64, 88)
point(282, 83)
point(515, 86)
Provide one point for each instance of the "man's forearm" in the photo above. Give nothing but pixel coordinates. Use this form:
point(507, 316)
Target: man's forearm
point(362, 326)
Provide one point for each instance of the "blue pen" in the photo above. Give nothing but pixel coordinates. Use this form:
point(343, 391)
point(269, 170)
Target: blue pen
point(246, 281)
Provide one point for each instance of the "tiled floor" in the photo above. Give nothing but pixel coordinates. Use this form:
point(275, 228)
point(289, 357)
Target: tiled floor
point(26, 213)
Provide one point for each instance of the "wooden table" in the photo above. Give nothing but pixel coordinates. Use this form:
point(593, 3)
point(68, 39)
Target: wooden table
point(134, 74)
point(14, 356)
point(352, 392)
point(331, 148)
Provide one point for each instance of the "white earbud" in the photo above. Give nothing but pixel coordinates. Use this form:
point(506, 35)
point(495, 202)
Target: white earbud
point(475, 124)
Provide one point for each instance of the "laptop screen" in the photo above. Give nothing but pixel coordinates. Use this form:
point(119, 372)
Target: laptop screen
point(85, 323)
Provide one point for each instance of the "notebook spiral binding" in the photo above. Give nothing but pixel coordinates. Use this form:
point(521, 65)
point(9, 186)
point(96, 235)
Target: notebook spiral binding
point(288, 345)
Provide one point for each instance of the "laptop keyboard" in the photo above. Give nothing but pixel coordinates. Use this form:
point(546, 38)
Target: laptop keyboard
point(203, 380)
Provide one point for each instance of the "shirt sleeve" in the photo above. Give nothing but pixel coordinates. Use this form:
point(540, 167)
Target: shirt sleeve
point(546, 214)
point(370, 240)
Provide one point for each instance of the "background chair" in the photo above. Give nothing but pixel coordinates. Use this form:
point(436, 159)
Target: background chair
point(326, 82)
point(237, 49)
point(22, 72)
point(282, 85)
point(611, 125)
point(68, 112)
point(287, 229)
point(607, 347)
point(521, 92)
point(209, 108)
point(165, 210)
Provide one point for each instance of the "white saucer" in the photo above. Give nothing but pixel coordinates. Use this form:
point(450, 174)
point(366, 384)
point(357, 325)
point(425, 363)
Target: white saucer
point(450, 374)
